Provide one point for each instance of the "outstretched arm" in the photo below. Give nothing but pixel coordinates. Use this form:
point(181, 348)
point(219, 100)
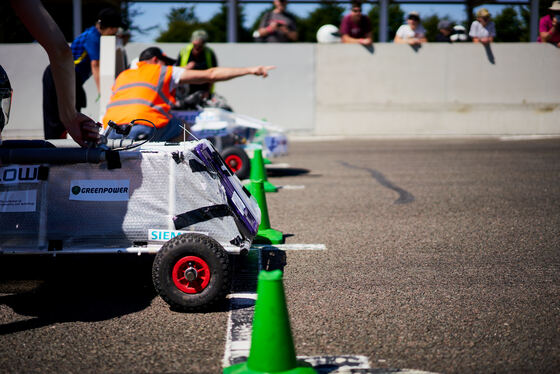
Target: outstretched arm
point(219, 74)
point(42, 27)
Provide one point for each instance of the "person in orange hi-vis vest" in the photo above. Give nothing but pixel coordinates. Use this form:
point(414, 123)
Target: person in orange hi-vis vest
point(148, 92)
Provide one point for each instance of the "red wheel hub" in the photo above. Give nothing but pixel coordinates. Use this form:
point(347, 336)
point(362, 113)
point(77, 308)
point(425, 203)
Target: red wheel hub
point(234, 162)
point(191, 274)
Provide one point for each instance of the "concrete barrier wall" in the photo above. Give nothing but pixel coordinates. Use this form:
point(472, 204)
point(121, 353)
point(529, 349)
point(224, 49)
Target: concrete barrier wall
point(439, 89)
point(390, 90)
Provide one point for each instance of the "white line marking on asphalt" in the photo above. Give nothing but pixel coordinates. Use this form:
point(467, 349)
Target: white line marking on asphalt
point(292, 187)
point(513, 138)
point(239, 328)
point(290, 247)
point(277, 166)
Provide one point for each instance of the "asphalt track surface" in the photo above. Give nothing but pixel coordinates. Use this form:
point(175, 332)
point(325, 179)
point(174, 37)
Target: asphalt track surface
point(442, 255)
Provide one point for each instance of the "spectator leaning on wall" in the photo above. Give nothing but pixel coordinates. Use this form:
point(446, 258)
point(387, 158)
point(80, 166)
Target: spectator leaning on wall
point(482, 29)
point(412, 32)
point(549, 26)
point(356, 27)
point(445, 29)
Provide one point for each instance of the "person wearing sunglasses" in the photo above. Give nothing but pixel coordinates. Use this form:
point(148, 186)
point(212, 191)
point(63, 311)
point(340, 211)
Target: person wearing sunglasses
point(356, 27)
point(278, 25)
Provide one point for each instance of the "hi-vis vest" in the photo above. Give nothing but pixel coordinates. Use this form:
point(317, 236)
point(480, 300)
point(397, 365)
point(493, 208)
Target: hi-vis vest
point(186, 53)
point(141, 93)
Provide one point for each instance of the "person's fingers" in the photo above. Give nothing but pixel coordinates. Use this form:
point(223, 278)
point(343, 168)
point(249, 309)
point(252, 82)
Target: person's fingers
point(84, 130)
point(266, 69)
point(91, 127)
point(261, 70)
point(91, 135)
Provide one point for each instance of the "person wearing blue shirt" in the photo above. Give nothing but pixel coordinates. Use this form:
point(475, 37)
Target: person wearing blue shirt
point(85, 52)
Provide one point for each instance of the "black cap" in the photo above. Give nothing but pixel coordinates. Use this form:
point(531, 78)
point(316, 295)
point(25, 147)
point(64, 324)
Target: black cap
point(110, 17)
point(148, 53)
point(415, 16)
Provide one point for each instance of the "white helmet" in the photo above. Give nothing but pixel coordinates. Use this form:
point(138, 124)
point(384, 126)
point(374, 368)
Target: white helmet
point(328, 34)
point(459, 34)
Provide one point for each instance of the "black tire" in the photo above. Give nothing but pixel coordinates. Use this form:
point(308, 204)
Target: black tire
point(202, 251)
point(237, 161)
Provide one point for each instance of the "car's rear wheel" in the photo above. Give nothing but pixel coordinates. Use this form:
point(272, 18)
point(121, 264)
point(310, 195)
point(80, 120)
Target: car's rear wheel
point(191, 272)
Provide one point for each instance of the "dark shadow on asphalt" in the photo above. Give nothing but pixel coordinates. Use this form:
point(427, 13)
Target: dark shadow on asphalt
point(82, 288)
point(285, 172)
point(405, 197)
point(273, 259)
point(245, 273)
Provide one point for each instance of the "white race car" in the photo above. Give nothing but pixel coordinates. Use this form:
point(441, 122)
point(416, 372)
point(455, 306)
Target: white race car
point(180, 202)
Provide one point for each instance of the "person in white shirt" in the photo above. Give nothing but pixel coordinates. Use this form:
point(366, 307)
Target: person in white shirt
point(482, 29)
point(412, 32)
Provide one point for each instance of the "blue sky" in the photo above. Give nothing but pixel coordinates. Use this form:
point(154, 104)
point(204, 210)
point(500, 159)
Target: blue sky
point(155, 13)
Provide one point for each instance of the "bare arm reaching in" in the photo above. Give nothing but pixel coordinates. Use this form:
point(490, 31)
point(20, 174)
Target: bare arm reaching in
point(42, 27)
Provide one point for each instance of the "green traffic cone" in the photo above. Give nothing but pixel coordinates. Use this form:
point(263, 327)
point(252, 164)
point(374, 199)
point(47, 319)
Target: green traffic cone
point(258, 172)
point(272, 347)
point(266, 234)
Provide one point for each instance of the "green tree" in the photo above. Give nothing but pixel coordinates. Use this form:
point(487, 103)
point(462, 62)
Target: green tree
point(217, 26)
point(526, 17)
point(327, 13)
point(469, 10)
point(509, 27)
point(181, 22)
point(130, 11)
point(13, 31)
point(396, 19)
point(430, 23)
